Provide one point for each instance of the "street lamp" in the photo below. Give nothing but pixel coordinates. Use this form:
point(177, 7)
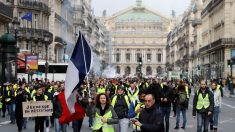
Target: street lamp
point(16, 24)
point(46, 40)
point(65, 46)
point(8, 47)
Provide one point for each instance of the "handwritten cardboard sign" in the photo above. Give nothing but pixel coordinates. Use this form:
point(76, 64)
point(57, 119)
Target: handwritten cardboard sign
point(37, 108)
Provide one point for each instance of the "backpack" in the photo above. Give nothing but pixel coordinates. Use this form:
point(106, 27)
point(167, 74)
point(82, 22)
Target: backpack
point(182, 98)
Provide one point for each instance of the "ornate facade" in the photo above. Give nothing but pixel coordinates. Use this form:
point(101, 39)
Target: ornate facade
point(138, 31)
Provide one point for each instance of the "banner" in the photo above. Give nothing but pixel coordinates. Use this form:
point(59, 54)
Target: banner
point(37, 108)
point(31, 62)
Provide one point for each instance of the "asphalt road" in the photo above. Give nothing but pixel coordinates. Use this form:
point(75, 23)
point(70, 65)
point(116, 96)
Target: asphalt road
point(226, 121)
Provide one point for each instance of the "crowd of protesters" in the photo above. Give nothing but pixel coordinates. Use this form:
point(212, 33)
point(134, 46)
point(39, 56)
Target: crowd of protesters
point(116, 105)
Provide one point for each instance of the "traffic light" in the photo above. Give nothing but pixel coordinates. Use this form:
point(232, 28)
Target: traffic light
point(140, 60)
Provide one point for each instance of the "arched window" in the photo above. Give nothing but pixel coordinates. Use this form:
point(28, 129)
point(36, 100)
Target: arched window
point(118, 70)
point(159, 70)
point(127, 70)
point(148, 70)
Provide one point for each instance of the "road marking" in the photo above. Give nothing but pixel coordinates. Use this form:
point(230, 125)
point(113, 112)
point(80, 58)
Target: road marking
point(5, 122)
point(228, 105)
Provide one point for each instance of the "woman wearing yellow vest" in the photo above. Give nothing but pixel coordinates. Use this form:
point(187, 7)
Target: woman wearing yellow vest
point(105, 115)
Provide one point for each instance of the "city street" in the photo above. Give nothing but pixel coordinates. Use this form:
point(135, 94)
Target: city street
point(226, 122)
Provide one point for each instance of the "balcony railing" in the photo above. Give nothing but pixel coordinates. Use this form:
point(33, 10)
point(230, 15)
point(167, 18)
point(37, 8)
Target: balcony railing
point(5, 10)
point(196, 22)
point(31, 34)
point(210, 6)
point(34, 5)
point(220, 42)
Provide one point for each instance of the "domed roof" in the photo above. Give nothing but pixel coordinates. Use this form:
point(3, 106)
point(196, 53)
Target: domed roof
point(139, 16)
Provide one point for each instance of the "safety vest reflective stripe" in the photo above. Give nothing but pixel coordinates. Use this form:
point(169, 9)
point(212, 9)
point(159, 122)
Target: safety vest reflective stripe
point(134, 96)
point(33, 92)
point(203, 102)
point(139, 104)
point(27, 90)
point(45, 98)
point(98, 123)
point(100, 90)
point(187, 92)
point(0, 105)
point(115, 99)
point(161, 85)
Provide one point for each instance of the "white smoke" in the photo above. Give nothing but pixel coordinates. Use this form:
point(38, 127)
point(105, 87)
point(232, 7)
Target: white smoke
point(96, 65)
point(110, 72)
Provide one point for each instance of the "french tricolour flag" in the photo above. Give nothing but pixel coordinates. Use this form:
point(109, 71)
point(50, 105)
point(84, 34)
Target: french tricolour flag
point(78, 67)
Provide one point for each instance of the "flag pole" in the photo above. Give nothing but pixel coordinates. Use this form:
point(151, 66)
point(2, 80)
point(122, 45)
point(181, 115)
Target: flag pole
point(84, 56)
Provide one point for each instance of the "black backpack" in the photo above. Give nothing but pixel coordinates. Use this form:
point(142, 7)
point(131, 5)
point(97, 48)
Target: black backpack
point(182, 98)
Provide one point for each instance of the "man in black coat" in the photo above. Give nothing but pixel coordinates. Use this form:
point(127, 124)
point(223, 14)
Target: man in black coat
point(151, 119)
point(21, 96)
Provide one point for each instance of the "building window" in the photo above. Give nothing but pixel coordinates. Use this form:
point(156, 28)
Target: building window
point(128, 57)
point(159, 57)
point(36, 21)
point(117, 57)
point(148, 71)
point(118, 71)
point(138, 55)
point(127, 70)
point(149, 57)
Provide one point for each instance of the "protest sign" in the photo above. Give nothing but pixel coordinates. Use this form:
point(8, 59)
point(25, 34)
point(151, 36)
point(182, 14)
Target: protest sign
point(37, 108)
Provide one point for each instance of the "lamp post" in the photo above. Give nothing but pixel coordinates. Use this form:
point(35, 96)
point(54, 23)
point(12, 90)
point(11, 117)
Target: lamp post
point(16, 25)
point(65, 46)
point(8, 47)
point(46, 40)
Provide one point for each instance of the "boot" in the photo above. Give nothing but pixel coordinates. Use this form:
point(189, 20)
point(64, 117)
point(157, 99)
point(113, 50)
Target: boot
point(215, 129)
point(211, 127)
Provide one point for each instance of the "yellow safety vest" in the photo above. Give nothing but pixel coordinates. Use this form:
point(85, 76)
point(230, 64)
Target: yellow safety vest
point(134, 96)
point(139, 104)
point(100, 90)
point(187, 92)
point(115, 99)
point(203, 102)
point(45, 98)
point(105, 126)
point(32, 93)
point(8, 94)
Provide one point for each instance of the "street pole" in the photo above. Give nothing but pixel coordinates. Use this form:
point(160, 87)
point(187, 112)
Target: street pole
point(46, 64)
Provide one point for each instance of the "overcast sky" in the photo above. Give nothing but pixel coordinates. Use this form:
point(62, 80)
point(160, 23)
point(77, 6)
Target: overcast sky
point(163, 6)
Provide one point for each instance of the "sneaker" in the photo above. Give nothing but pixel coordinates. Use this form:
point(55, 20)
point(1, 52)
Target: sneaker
point(183, 127)
point(176, 127)
point(47, 129)
point(3, 116)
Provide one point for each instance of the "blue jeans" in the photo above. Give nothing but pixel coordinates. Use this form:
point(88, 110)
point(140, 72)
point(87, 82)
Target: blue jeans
point(12, 108)
point(215, 117)
point(58, 126)
point(166, 113)
point(183, 110)
point(91, 120)
point(202, 120)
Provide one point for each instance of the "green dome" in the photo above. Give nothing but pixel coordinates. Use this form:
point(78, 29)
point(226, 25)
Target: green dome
point(8, 39)
point(139, 17)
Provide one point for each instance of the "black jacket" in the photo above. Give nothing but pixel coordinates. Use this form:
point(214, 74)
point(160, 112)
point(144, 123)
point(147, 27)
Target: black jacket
point(166, 92)
point(203, 110)
point(151, 120)
point(121, 107)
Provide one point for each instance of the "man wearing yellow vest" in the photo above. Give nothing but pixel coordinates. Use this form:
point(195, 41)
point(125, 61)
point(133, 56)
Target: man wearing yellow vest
point(133, 91)
point(39, 96)
point(136, 107)
point(121, 103)
point(203, 104)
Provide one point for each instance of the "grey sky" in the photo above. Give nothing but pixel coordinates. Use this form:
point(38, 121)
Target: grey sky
point(163, 6)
